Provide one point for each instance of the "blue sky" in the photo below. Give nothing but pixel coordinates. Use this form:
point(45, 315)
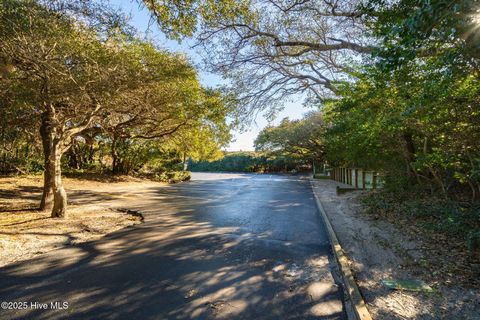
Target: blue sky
point(241, 140)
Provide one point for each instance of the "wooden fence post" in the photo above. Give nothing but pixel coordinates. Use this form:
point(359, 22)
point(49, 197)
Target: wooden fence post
point(356, 178)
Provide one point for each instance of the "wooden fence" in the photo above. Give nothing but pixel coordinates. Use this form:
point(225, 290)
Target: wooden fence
point(357, 178)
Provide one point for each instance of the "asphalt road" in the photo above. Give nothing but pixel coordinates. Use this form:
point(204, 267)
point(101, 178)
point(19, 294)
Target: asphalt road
point(226, 246)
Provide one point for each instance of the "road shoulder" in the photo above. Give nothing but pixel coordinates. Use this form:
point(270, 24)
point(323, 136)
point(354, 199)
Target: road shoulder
point(354, 298)
point(378, 250)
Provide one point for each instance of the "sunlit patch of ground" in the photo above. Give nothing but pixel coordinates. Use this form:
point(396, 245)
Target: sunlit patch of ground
point(26, 232)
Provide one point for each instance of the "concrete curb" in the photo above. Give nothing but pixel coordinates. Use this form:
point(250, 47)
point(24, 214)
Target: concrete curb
point(351, 288)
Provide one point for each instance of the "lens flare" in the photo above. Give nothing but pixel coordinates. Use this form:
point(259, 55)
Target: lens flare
point(473, 31)
point(476, 18)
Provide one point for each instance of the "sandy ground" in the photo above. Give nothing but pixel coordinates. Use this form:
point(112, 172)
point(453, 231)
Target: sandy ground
point(26, 232)
point(381, 250)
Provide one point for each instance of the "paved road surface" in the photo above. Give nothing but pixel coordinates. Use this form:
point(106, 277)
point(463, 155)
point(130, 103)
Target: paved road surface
point(226, 246)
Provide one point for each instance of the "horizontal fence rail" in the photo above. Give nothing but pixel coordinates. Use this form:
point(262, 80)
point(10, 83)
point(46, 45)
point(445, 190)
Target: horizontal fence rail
point(357, 178)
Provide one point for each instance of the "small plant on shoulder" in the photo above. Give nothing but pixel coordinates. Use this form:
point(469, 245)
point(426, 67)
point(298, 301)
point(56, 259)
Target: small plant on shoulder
point(163, 172)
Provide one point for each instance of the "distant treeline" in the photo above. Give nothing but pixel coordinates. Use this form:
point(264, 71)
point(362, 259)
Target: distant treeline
point(249, 161)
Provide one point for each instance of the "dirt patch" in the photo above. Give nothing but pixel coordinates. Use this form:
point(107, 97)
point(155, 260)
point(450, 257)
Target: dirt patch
point(25, 191)
point(26, 232)
point(381, 250)
point(34, 183)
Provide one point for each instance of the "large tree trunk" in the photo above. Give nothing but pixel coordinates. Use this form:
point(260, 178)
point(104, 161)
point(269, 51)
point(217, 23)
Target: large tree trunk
point(60, 196)
point(54, 196)
point(48, 172)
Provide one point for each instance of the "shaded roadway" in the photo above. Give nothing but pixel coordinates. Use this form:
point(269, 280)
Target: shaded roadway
point(233, 246)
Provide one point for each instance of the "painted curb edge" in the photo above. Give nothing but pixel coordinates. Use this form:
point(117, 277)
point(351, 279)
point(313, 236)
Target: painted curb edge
point(351, 287)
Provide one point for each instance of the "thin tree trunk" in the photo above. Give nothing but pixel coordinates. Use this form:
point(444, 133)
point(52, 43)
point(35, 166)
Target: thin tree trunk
point(73, 157)
point(114, 155)
point(91, 153)
point(185, 164)
point(439, 182)
point(410, 156)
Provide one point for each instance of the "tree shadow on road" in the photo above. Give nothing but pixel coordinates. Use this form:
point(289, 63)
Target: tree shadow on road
point(182, 263)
